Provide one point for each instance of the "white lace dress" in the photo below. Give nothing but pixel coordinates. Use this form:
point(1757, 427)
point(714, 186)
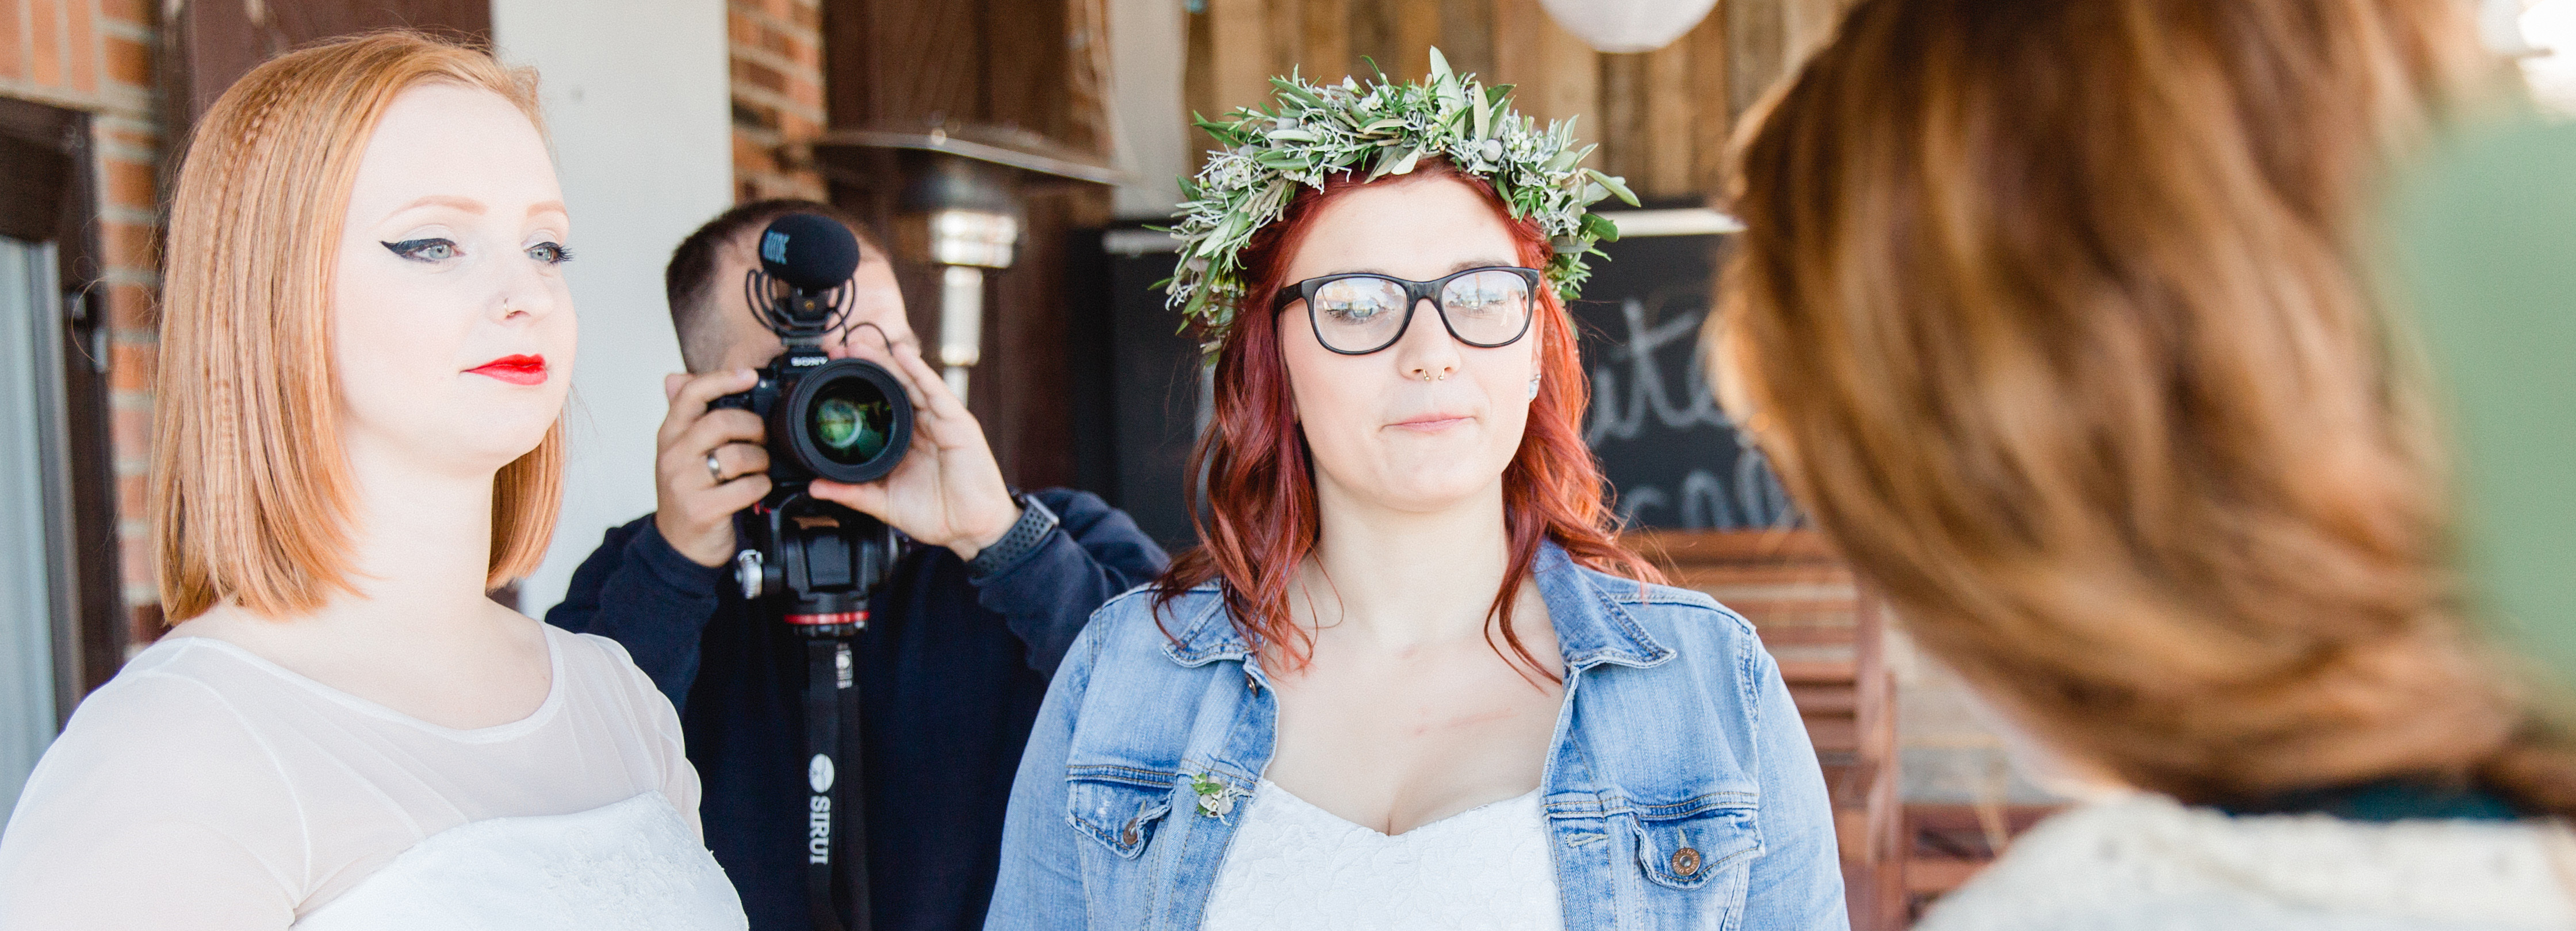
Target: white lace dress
point(207, 788)
point(2147, 863)
point(1295, 867)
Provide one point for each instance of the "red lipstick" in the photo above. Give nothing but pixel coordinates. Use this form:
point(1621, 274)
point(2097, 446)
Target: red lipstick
point(516, 370)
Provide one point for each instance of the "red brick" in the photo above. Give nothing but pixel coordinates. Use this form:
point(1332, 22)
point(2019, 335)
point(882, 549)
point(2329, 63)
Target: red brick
point(148, 630)
point(137, 553)
point(129, 62)
point(125, 137)
point(130, 367)
point(131, 432)
point(147, 616)
point(133, 495)
point(45, 38)
point(805, 92)
point(130, 245)
point(136, 12)
point(131, 184)
point(13, 62)
point(82, 30)
point(131, 307)
point(761, 76)
point(748, 155)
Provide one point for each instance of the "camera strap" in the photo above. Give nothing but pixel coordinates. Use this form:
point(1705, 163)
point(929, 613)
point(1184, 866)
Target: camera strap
point(832, 724)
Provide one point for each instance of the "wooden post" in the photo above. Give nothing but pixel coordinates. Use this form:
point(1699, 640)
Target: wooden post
point(1327, 56)
point(1239, 53)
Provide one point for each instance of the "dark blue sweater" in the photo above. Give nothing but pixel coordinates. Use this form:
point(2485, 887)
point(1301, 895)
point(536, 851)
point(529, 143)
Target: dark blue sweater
point(950, 673)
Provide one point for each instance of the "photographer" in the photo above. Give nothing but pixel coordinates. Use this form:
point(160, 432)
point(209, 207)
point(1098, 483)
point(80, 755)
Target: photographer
point(960, 641)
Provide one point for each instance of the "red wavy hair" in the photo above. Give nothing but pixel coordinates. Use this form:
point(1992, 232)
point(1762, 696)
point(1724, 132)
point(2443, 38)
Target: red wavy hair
point(1252, 486)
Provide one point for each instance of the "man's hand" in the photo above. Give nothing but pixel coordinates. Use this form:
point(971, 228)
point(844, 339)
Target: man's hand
point(948, 491)
point(693, 505)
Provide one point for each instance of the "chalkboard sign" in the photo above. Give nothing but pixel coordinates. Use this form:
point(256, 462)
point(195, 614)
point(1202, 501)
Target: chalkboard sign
point(1671, 458)
point(1670, 455)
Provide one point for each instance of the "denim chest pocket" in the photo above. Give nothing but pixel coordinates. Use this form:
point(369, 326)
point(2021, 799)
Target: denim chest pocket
point(1119, 808)
point(1684, 846)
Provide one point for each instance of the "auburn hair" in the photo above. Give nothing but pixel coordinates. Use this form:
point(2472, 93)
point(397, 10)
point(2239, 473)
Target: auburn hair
point(250, 495)
point(2056, 317)
point(1252, 485)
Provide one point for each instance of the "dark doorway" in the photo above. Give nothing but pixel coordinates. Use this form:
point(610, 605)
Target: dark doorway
point(61, 632)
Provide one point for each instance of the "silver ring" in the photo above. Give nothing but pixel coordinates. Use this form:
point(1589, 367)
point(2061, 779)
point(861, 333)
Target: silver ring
point(715, 470)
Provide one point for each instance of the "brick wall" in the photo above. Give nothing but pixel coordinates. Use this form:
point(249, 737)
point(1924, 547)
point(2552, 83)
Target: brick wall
point(96, 56)
point(777, 60)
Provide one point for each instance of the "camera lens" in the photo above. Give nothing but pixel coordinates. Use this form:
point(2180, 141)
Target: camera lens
point(847, 420)
point(851, 420)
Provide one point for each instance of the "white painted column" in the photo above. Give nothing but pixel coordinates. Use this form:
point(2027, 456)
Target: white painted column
point(638, 106)
point(1147, 45)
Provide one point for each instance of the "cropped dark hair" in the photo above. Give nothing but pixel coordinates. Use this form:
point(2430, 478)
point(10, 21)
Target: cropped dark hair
point(689, 284)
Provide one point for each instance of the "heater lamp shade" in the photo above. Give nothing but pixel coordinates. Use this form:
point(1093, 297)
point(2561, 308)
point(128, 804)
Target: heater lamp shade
point(1627, 25)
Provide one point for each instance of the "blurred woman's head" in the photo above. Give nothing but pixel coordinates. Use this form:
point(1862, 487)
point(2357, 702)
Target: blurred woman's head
point(1376, 403)
point(2054, 317)
point(362, 267)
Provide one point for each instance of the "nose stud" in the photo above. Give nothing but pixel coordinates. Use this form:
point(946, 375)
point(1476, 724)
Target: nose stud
point(1426, 376)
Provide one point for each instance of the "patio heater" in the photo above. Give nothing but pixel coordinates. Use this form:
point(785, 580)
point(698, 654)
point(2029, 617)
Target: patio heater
point(958, 209)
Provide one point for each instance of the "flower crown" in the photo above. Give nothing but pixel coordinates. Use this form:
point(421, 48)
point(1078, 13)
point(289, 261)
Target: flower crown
point(1386, 128)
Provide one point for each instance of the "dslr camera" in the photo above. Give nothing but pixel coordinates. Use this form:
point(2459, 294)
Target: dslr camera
point(847, 420)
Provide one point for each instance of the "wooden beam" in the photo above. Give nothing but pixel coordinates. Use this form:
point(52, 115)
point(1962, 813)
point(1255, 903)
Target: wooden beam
point(1372, 37)
point(1620, 122)
point(1239, 34)
point(1573, 90)
point(1518, 53)
point(1467, 35)
point(1810, 25)
point(1713, 115)
point(1326, 56)
point(1757, 35)
point(1672, 131)
point(1417, 29)
point(1287, 27)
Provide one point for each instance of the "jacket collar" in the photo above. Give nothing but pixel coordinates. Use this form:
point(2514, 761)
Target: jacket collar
point(1592, 625)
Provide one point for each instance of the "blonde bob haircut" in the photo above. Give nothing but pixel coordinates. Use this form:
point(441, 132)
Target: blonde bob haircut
point(250, 496)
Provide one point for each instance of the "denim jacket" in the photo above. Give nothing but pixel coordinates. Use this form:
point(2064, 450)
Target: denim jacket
point(1680, 789)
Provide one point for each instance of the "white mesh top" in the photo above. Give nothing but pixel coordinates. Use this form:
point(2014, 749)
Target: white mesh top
point(1295, 867)
point(205, 787)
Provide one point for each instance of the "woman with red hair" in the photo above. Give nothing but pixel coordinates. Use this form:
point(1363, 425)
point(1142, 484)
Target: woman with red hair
point(1399, 684)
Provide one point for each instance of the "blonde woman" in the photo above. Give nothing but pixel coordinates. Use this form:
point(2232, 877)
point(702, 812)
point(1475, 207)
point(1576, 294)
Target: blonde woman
point(366, 341)
point(2056, 318)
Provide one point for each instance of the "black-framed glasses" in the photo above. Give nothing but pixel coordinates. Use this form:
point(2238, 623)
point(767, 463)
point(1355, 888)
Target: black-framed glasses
point(1358, 313)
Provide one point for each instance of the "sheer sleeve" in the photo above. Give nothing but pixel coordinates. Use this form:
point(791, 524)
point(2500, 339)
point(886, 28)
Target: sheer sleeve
point(156, 808)
point(657, 718)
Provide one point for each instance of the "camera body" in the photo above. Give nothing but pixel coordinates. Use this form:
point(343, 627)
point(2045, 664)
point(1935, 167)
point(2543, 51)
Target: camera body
point(847, 420)
point(827, 418)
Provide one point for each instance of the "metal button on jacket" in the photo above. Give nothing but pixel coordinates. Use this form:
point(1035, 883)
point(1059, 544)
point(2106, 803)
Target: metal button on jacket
point(1686, 861)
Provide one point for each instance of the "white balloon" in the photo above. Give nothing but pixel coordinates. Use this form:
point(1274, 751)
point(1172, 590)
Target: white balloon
point(1627, 25)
